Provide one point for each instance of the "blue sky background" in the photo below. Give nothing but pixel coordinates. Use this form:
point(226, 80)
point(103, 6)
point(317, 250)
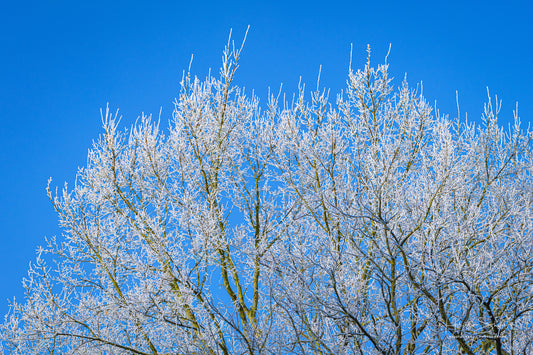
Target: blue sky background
point(61, 61)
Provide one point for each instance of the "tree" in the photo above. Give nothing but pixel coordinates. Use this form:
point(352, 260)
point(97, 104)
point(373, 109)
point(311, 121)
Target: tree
point(366, 225)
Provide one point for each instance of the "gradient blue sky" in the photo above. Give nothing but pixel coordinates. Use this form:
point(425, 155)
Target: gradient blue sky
point(61, 61)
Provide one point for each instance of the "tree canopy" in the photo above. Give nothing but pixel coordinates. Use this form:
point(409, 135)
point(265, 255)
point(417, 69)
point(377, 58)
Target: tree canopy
point(366, 223)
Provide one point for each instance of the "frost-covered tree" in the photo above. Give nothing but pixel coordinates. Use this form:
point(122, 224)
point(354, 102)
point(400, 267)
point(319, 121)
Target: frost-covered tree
point(367, 224)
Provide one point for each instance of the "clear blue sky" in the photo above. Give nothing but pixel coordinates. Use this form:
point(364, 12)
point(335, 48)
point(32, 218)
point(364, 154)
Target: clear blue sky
point(61, 61)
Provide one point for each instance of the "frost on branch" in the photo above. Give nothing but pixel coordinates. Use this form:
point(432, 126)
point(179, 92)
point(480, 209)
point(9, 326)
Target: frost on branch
point(361, 225)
